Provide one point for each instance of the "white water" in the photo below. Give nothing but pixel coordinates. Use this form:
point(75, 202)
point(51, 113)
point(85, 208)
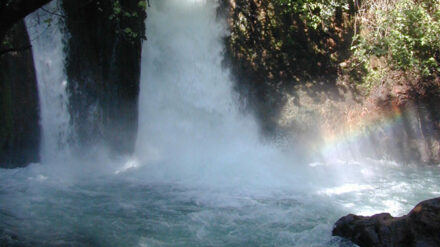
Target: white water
point(47, 48)
point(189, 125)
point(200, 175)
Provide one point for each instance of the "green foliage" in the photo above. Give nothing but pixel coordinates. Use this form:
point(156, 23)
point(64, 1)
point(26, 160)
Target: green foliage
point(142, 4)
point(116, 11)
point(6, 43)
point(407, 34)
point(119, 15)
point(291, 41)
point(314, 13)
point(130, 33)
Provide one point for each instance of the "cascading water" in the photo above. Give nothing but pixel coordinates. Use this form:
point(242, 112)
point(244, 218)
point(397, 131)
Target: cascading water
point(189, 124)
point(47, 42)
point(200, 176)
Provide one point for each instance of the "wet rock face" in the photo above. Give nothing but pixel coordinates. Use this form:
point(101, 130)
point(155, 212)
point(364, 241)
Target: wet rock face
point(415, 134)
point(103, 69)
point(270, 50)
point(420, 228)
point(19, 104)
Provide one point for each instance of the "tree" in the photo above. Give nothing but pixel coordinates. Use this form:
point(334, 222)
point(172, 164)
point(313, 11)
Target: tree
point(12, 11)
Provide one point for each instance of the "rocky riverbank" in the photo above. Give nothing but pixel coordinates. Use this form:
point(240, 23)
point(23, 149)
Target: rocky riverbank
point(419, 228)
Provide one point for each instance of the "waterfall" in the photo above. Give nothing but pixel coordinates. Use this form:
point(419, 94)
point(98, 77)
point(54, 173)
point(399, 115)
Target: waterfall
point(200, 175)
point(189, 123)
point(47, 46)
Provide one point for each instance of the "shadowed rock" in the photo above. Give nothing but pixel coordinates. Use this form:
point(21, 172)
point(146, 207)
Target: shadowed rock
point(419, 228)
point(103, 68)
point(19, 103)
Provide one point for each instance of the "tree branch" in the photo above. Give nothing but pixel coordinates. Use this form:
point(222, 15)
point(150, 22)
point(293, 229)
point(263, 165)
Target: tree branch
point(6, 51)
point(53, 13)
point(13, 11)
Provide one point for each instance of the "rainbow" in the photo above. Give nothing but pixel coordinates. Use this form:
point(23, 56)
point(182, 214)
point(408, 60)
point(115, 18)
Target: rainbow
point(360, 130)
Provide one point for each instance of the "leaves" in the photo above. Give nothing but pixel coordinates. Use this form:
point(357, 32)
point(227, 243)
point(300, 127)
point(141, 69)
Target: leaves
point(314, 13)
point(121, 13)
point(407, 33)
point(142, 4)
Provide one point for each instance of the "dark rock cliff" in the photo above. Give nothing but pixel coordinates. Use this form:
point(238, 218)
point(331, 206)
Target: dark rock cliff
point(271, 49)
point(103, 69)
point(19, 105)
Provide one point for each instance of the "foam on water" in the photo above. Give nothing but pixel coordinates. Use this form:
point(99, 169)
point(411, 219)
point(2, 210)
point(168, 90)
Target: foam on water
point(42, 209)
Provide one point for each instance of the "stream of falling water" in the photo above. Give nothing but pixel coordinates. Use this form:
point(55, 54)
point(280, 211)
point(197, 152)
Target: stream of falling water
point(200, 175)
point(47, 43)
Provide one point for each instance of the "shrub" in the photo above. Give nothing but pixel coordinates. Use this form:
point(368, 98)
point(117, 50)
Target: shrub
point(405, 32)
point(315, 13)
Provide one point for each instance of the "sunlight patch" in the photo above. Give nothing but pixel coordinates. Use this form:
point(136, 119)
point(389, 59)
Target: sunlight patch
point(129, 165)
point(346, 188)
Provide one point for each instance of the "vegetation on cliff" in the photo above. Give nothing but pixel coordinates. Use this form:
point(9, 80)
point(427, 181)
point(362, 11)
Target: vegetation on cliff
point(398, 36)
point(341, 66)
point(288, 41)
point(292, 42)
point(275, 45)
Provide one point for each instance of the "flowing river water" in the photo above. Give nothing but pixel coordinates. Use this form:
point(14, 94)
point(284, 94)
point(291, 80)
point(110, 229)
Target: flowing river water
point(200, 175)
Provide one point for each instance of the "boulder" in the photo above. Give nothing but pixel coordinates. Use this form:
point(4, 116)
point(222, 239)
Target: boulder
point(419, 228)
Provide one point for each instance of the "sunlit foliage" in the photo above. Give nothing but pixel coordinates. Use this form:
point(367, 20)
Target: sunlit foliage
point(406, 33)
